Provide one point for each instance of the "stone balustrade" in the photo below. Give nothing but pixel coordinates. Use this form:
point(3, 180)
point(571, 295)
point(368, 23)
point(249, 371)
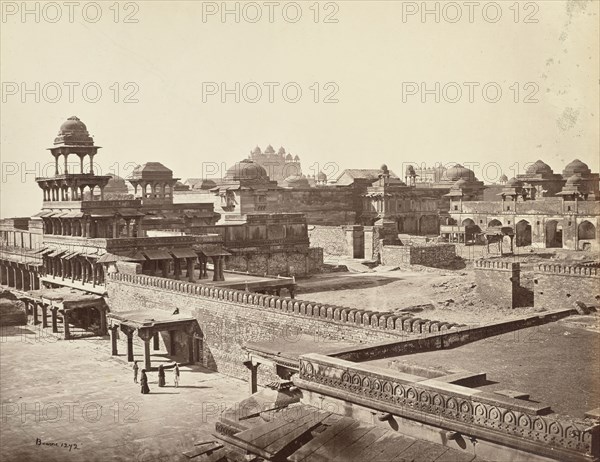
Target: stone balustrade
point(339, 314)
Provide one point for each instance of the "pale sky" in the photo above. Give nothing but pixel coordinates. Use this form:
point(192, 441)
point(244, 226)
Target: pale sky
point(369, 56)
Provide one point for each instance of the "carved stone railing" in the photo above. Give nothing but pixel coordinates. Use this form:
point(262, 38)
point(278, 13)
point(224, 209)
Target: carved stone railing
point(449, 406)
point(567, 270)
point(381, 321)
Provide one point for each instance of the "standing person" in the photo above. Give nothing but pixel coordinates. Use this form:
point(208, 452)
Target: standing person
point(161, 376)
point(144, 382)
point(176, 375)
point(136, 368)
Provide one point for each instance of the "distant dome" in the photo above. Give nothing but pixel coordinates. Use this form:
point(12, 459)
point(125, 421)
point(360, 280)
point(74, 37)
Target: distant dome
point(410, 170)
point(296, 158)
point(73, 131)
point(246, 170)
point(576, 167)
point(116, 184)
point(503, 178)
point(269, 150)
point(514, 183)
point(296, 181)
point(281, 151)
point(289, 157)
point(539, 167)
point(256, 150)
point(321, 176)
point(458, 172)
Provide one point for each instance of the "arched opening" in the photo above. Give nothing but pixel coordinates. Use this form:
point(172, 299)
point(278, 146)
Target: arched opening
point(450, 221)
point(523, 231)
point(468, 222)
point(554, 234)
point(494, 223)
point(148, 190)
point(586, 231)
point(167, 190)
point(428, 224)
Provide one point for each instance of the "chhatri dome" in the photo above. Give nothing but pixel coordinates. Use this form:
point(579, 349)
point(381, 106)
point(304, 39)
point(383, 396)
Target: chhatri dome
point(73, 131)
point(576, 168)
point(539, 167)
point(246, 170)
point(458, 172)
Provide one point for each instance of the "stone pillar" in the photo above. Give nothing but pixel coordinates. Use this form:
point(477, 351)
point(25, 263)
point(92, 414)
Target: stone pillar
point(35, 314)
point(44, 315)
point(164, 268)
point(147, 362)
point(66, 324)
point(190, 342)
point(62, 269)
point(113, 340)
point(190, 269)
point(177, 267)
point(129, 346)
point(102, 321)
point(53, 312)
point(218, 268)
point(3, 275)
point(18, 278)
point(94, 274)
point(173, 344)
point(253, 367)
point(155, 341)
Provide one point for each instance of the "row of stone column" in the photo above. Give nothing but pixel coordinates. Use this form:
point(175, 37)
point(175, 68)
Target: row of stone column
point(38, 311)
point(111, 227)
point(161, 268)
point(75, 269)
point(147, 335)
point(18, 276)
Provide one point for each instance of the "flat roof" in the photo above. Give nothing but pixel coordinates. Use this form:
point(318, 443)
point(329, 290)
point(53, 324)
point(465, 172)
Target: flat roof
point(555, 363)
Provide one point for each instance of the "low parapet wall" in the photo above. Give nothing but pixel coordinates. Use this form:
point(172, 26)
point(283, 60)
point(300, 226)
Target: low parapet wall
point(563, 285)
point(507, 421)
point(499, 284)
point(230, 318)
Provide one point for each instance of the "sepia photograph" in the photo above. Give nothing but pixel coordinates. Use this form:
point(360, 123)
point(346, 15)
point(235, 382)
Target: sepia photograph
point(300, 231)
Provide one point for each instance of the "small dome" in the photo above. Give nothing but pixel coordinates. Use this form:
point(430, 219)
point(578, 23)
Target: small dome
point(296, 181)
point(281, 151)
point(74, 132)
point(575, 180)
point(410, 170)
point(289, 157)
point(72, 124)
point(321, 176)
point(383, 167)
point(296, 158)
point(514, 183)
point(503, 178)
point(269, 150)
point(246, 170)
point(256, 151)
point(576, 168)
point(539, 167)
point(458, 172)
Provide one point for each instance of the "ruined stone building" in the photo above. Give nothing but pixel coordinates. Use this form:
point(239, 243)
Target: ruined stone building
point(539, 208)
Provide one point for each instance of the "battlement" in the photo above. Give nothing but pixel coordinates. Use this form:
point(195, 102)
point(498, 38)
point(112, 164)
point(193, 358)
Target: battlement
point(382, 321)
point(568, 270)
point(497, 265)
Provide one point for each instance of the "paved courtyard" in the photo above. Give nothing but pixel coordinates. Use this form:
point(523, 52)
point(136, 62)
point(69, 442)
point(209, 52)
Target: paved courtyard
point(71, 401)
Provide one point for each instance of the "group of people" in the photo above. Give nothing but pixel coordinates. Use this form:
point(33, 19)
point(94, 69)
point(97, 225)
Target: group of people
point(161, 376)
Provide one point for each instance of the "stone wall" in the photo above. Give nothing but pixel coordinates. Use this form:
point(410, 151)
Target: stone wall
point(229, 319)
point(498, 282)
point(332, 239)
point(559, 286)
point(529, 426)
point(438, 255)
